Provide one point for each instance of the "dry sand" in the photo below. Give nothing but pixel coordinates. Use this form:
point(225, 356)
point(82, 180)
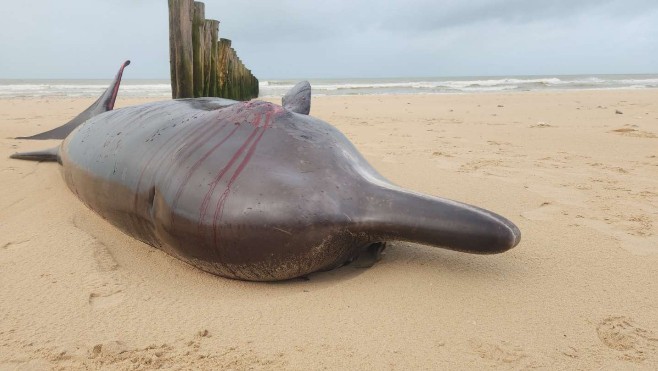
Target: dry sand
point(579, 292)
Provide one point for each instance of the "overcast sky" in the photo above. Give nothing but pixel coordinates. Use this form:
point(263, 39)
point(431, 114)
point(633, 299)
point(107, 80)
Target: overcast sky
point(339, 38)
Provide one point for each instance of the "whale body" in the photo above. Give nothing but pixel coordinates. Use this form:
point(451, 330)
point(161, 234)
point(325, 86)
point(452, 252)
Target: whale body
point(254, 190)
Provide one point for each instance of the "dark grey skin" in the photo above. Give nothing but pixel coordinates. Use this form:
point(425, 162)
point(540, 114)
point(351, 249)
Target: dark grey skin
point(255, 191)
point(298, 99)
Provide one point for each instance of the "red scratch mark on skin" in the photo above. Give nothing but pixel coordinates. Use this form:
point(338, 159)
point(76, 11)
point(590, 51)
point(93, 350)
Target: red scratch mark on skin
point(199, 131)
point(219, 209)
point(188, 176)
point(198, 142)
point(234, 114)
point(206, 199)
point(200, 137)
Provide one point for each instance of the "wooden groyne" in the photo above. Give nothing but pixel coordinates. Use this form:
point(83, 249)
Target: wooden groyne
point(202, 64)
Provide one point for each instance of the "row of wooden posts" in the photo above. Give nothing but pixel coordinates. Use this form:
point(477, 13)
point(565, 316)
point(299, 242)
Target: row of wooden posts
point(203, 65)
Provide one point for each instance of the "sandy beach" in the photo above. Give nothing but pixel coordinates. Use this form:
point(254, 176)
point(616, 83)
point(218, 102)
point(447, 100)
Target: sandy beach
point(576, 171)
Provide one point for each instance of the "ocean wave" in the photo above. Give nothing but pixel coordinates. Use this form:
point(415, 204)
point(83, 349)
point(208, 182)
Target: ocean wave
point(462, 85)
point(274, 88)
point(75, 89)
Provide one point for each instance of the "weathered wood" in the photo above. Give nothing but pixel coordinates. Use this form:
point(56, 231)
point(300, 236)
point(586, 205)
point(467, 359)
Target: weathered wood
point(180, 47)
point(208, 27)
point(202, 65)
point(224, 47)
point(198, 47)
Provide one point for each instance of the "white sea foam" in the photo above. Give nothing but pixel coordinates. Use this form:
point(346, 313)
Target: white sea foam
point(161, 88)
point(80, 88)
point(463, 85)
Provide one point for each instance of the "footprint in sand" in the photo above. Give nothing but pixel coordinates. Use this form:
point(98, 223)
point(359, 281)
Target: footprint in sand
point(628, 237)
point(562, 194)
point(101, 301)
point(476, 165)
point(546, 211)
point(104, 259)
point(623, 335)
point(501, 354)
point(105, 283)
point(442, 154)
point(182, 353)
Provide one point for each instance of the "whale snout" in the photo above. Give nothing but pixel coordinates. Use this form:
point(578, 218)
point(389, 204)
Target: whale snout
point(506, 236)
point(478, 231)
point(440, 222)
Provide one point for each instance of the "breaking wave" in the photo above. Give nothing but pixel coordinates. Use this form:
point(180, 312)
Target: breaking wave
point(274, 88)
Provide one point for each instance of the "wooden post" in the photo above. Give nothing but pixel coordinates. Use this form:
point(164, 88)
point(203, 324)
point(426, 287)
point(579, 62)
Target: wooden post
point(223, 68)
point(198, 47)
point(210, 29)
point(229, 82)
point(202, 65)
point(180, 48)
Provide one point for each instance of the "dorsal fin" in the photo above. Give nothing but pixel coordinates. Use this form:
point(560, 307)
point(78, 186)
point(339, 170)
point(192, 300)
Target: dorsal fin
point(51, 154)
point(103, 104)
point(298, 99)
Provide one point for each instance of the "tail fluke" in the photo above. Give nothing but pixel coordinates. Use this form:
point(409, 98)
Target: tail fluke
point(51, 154)
point(103, 104)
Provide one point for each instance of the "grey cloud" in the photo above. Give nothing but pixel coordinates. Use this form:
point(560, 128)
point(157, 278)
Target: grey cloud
point(295, 20)
point(361, 38)
point(429, 15)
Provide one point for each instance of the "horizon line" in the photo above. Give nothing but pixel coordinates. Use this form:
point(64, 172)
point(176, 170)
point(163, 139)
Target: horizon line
point(346, 77)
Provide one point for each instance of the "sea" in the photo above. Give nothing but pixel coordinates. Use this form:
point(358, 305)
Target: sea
point(349, 86)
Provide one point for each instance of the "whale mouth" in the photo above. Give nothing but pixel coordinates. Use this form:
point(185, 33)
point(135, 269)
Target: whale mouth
point(368, 255)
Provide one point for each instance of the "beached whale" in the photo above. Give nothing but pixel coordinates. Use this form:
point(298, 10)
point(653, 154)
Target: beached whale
point(251, 190)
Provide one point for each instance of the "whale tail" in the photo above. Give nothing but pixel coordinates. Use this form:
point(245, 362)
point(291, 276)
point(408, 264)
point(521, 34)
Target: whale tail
point(103, 104)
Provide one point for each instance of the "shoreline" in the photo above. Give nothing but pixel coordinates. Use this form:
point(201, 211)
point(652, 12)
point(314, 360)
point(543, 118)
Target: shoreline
point(140, 88)
point(322, 96)
point(578, 292)
point(501, 92)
